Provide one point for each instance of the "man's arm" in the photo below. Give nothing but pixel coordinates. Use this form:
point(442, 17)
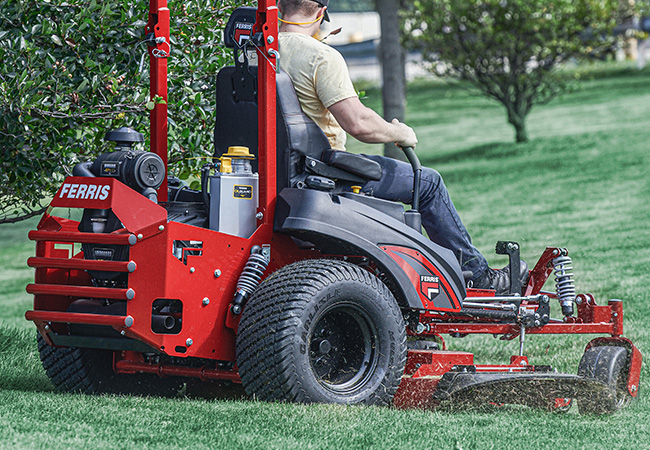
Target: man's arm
point(365, 125)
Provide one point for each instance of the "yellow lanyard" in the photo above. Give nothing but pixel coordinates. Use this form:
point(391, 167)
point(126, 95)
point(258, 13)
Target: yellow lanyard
point(301, 23)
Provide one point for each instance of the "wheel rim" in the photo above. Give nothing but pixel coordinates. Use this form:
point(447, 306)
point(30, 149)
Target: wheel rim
point(343, 351)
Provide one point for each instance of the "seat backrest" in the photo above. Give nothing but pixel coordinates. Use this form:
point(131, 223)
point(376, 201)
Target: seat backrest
point(303, 135)
point(236, 119)
point(297, 134)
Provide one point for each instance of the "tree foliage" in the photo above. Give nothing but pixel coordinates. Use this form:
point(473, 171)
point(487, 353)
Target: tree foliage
point(71, 71)
point(509, 49)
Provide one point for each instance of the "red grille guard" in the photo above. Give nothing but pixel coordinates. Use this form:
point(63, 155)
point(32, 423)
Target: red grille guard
point(55, 274)
point(61, 274)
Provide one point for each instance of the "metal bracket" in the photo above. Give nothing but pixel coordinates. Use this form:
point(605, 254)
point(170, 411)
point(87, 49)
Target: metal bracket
point(512, 250)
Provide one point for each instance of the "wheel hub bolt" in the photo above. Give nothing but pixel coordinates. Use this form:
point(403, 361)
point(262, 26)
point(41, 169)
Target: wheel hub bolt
point(324, 347)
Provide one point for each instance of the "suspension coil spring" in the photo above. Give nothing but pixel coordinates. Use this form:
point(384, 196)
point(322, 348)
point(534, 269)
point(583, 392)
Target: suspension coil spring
point(250, 277)
point(564, 285)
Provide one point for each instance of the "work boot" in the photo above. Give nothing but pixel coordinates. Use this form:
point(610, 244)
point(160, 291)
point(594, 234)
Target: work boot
point(499, 280)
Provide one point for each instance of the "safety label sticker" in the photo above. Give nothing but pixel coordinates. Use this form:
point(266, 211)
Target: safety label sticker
point(242, 191)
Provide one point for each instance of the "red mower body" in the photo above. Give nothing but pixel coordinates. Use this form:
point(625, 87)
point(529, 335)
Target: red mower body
point(171, 307)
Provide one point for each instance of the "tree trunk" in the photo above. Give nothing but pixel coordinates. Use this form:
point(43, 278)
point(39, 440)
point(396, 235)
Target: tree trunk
point(393, 60)
point(518, 121)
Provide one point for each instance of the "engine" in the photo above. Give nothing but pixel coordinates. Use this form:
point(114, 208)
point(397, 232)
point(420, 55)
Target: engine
point(140, 170)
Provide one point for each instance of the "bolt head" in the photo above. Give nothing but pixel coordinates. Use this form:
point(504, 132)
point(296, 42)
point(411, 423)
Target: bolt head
point(140, 236)
point(259, 216)
point(192, 270)
point(270, 39)
point(47, 328)
point(217, 273)
point(633, 388)
point(206, 301)
point(522, 363)
point(161, 227)
point(189, 342)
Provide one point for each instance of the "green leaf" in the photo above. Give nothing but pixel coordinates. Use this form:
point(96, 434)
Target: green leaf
point(56, 40)
point(185, 174)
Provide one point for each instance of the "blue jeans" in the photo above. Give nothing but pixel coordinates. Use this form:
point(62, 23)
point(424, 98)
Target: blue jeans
point(439, 216)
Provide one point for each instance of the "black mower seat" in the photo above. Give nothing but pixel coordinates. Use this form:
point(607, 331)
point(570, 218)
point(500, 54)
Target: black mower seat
point(299, 139)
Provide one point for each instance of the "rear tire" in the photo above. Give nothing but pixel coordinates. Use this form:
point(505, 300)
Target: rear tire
point(322, 331)
point(607, 364)
point(90, 371)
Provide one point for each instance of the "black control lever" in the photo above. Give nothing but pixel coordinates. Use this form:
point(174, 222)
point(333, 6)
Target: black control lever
point(412, 217)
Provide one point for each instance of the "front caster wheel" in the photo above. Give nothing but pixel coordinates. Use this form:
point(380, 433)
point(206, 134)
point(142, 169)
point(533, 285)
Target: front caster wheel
point(322, 331)
point(607, 364)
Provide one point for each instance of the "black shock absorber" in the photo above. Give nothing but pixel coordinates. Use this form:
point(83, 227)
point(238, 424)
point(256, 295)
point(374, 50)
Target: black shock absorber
point(251, 276)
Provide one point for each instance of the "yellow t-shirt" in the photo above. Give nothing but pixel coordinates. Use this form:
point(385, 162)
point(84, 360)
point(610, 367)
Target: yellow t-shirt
point(320, 78)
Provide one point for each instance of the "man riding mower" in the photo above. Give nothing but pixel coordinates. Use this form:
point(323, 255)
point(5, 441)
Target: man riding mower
point(280, 274)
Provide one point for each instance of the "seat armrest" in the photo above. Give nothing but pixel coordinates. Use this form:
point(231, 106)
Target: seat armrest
point(352, 163)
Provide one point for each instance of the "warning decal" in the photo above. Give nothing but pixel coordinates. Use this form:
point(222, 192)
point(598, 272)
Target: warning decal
point(242, 191)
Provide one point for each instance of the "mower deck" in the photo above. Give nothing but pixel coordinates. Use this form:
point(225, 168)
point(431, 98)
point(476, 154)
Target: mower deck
point(444, 378)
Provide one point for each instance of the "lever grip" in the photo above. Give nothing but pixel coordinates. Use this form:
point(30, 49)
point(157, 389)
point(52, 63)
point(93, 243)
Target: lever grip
point(412, 157)
point(417, 174)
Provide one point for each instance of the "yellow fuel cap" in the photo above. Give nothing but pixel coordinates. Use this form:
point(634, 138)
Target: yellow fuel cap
point(356, 189)
point(238, 152)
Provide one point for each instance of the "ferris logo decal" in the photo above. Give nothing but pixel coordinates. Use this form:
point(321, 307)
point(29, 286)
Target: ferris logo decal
point(429, 286)
point(243, 31)
point(85, 191)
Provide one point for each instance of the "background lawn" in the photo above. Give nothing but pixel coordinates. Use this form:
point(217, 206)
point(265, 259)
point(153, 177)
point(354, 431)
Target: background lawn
point(582, 183)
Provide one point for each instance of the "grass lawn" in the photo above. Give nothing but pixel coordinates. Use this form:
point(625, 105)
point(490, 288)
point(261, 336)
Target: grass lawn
point(581, 182)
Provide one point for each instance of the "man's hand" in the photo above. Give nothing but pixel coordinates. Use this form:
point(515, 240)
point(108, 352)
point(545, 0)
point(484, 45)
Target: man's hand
point(407, 137)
